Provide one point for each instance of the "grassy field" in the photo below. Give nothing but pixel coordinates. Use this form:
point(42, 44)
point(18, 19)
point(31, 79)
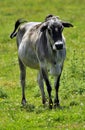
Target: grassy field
point(13, 116)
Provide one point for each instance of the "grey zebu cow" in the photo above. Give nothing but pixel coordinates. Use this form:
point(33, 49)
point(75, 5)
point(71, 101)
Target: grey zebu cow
point(42, 46)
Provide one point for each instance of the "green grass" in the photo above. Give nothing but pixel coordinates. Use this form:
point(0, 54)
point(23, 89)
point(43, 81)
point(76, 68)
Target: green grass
point(13, 116)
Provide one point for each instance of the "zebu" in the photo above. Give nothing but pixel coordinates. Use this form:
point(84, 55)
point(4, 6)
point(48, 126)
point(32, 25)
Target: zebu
point(41, 46)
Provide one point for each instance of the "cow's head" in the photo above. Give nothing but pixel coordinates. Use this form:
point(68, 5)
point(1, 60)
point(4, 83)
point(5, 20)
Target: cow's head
point(54, 28)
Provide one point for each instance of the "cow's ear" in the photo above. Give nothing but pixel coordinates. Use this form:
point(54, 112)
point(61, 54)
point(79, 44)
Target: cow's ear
point(66, 24)
point(44, 27)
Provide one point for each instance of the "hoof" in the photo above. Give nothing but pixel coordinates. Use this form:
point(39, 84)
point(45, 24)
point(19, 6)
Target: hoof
point(44, 101)
point(56, 105)
point(50, 104)
point(23, 102)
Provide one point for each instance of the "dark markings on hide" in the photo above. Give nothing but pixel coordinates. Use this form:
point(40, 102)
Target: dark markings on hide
point(35, 28)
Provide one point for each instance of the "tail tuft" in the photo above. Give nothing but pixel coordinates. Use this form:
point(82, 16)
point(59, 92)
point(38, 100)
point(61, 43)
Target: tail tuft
point(18, 22)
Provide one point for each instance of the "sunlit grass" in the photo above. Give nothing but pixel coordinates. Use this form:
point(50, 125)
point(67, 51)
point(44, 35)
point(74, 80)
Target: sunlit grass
point(71, 116)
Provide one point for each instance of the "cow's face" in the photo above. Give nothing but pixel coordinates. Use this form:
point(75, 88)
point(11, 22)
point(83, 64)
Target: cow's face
point(54, 28)
point(54, 34)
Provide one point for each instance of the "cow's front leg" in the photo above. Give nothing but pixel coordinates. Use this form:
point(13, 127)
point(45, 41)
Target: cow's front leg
point(22, 80)
point(49, 89)
point(56, 100)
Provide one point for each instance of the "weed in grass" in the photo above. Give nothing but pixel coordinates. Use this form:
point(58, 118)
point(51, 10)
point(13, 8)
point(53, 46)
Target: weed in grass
point(83, 65)
point(73, 103)
point(73, 66)
point(3, 94)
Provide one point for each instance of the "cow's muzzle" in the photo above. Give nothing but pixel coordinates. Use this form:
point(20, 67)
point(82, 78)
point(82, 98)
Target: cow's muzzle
point(58, 46)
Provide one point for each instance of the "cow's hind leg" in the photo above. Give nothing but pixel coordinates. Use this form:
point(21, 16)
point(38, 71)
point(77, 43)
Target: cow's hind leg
point(41, 85)
point(22, 80)
point(56, 100)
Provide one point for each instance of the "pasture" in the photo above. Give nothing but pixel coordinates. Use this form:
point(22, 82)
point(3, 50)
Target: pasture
point(13, 116)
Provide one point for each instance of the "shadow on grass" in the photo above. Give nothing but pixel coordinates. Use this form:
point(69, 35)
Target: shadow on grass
point(42, 108)
point(27, 107)
point(32, 108)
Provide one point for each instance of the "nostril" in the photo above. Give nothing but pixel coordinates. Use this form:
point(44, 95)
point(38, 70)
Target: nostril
point(59, 46)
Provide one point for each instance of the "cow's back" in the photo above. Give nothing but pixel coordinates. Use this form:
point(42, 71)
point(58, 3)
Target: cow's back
point(24, 28)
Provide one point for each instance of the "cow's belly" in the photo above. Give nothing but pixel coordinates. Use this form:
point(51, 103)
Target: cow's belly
point(30, 62)
point(28, 57)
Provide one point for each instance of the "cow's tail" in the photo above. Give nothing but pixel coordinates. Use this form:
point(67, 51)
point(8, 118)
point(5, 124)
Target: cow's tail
point(17, 23)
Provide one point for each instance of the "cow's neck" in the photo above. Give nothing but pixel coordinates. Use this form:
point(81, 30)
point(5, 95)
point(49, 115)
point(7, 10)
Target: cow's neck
point(48, 48)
